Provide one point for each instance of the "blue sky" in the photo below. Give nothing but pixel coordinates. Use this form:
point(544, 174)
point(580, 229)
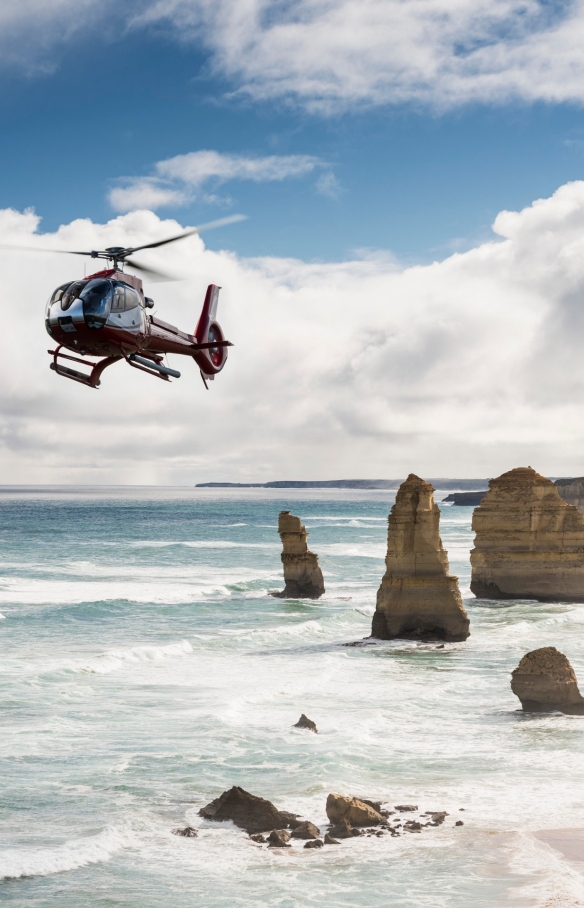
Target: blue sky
point(405, 177)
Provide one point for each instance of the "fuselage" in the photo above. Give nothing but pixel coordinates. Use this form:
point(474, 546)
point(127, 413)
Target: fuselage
point(105, 315)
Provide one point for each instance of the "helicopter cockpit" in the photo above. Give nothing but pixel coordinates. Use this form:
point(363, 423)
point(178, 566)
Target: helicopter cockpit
point(95, 302)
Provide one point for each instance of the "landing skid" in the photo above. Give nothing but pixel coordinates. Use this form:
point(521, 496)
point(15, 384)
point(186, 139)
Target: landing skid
point(151, 363)
point(92, 380)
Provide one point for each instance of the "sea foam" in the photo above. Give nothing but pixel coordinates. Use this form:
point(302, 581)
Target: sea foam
point(23, 862)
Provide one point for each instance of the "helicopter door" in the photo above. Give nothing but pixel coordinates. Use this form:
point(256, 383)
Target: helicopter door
point(126, 310)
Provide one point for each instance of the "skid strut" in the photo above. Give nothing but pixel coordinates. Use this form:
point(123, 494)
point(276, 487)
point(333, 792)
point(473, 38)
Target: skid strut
point(93, 379)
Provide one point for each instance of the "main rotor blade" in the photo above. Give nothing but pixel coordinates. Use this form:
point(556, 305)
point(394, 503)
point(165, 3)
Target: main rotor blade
point(37, 249)
point(232, 219)
point(153, 273)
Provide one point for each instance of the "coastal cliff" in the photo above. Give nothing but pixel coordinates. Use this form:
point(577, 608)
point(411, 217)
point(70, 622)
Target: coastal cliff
point(302, 573)
point(418, 598)
point(529, 542)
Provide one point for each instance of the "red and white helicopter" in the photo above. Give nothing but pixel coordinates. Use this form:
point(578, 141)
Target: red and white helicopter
point(104, 315)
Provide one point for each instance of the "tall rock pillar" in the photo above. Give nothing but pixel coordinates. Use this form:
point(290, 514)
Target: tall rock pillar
point(302, 574)
point(418, 599)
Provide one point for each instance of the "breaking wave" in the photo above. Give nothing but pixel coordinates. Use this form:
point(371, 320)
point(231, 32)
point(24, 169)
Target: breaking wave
point(116, 658)
point(23, 862)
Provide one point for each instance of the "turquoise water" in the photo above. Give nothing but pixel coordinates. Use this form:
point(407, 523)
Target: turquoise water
point(145, 669)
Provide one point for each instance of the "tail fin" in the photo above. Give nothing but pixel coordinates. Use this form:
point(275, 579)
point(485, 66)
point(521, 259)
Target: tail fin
point(212, 353)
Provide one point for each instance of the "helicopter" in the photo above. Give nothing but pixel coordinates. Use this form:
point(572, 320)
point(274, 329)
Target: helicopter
point(104, 315)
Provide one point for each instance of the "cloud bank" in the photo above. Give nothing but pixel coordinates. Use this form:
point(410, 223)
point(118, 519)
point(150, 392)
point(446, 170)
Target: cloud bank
point(464, 367)
point(331, 56)
point(183, 178)
point(334, 55)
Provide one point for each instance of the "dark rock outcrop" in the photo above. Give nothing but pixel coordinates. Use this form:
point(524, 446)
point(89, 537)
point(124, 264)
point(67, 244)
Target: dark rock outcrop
point(314, 843)
point(544, 681)
point(306, 830)
point(188, 832)
point(246, 810)
point(465, 499)
point(341, 830)
point(418, 598)
point(529, 542)
point(329, 840)
point(305, 722)
point(302, 574)
point(279, 838)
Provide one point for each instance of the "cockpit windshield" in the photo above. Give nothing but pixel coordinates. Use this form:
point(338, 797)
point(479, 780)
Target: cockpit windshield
point(97, 301)
point(72, 292)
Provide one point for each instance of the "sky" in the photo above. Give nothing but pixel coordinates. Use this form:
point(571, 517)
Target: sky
point(405, 291)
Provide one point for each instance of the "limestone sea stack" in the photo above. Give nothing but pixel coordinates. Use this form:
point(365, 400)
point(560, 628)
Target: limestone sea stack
point(302, 574)
point(418, 598)
point(529, 542)
point(544, 680)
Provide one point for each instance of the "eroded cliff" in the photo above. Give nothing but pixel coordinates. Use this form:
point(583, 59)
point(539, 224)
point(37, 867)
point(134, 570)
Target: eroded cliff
point(529, 542)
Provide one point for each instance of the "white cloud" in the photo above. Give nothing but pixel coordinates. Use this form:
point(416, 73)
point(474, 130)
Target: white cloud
point(468, 366)
point(334, 55)
point(34, 32)
point(330, 55)
point(144, 193)
point(327, 184)
point(181, 179)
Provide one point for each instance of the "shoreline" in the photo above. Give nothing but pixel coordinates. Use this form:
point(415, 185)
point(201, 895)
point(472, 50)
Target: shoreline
point(569, 842)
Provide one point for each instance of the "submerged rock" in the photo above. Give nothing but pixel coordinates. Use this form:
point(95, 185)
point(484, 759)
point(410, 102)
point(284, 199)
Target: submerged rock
point(314, 843)
point(354, 811)
point(305, 722)
point(437, 817)
point(188, 832)
point(418, 599)
point(246, 810)
point(544, 680)
point(302, 574)
point(529, 542)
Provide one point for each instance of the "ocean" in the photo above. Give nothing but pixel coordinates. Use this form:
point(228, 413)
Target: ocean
point(145, 669)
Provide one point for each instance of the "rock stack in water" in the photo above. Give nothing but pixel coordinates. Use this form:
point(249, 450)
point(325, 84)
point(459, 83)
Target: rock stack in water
point(529, 542)
point(418, 598)
point(544, 680)
point(302, 574)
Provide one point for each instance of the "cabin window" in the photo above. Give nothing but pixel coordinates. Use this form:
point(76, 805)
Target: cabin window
point(125, 298)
